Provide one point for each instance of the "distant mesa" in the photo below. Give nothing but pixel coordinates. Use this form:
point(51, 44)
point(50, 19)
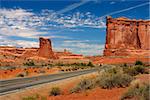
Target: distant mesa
point(126, 37)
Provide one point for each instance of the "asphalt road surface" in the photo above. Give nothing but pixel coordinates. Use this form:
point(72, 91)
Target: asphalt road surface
point(20, 83)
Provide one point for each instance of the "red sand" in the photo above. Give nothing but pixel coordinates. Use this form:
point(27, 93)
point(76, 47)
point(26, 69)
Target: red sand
point(118, 60)
point(7, 74)
point(95, 94)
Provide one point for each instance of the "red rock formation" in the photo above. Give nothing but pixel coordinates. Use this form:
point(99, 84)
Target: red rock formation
point(127, 37)
point(45, 49)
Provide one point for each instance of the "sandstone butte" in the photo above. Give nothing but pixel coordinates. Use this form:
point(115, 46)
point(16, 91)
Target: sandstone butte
point(45, 49)
point(126, 37)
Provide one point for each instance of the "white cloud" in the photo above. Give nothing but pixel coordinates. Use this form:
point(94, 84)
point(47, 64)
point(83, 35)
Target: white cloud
point(85, 47)
point(18, 43)
point(18, 22)
point(25, 24)
point(22, 23)
point(17, 13)
point(20, 32)
point(77, 19)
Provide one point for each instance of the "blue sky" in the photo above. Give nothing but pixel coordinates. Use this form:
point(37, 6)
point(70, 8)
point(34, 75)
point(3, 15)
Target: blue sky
point(77, 25)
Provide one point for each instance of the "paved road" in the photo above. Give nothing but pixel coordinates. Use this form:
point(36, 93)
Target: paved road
point(20, 83)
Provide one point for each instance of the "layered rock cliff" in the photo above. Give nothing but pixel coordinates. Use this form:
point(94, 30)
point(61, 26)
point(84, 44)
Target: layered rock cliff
point(126, 37)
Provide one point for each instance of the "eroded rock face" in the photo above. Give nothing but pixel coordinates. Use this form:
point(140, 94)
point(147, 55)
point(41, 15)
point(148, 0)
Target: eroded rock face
point(126, 37)
point(45, 48)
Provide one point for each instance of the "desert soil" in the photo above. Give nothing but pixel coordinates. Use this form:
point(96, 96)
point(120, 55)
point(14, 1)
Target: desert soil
point(67, 84)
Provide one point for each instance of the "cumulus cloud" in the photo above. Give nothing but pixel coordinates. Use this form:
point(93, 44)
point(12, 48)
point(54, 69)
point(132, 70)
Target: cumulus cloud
point(18, 43)
point(18, 22)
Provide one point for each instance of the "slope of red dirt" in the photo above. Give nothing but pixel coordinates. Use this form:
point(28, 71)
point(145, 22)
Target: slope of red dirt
point(95, 94)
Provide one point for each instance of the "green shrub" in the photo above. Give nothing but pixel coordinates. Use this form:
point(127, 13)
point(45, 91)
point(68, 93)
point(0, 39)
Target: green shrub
point(111, 70)
point(83, 64)
point(90, 64)
point(135, 70)
point(23, 74)
point(113, 77)
point(55, 91)
point(125, 65)
point(29, 63)
point(109, 80)
point(83, 85)
point(138, 62)
point(140, 92)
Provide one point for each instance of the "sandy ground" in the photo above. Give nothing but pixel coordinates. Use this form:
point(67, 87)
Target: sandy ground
point(94, 94)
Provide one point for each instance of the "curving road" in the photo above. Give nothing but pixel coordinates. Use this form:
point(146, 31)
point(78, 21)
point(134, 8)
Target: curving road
point(20, 83)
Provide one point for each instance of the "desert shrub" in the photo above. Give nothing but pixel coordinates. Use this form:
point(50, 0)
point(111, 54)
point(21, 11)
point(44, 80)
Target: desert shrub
point(55, 91)
point(108, 81)
point(135, 70)
point(125, 65)
point(138, 62)
point(90, 64)
point(29, 63)
point(75, 64)
point(140, 92)
point(111, 70)
point(20, 75)
point(113, 77)
point(83, 85)
point(62, 70)
point(44, 65)
point(23, 74)
point(83, 64)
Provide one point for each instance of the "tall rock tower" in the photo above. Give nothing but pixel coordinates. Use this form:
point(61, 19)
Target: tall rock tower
point(126, 37)
point(45, 49)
